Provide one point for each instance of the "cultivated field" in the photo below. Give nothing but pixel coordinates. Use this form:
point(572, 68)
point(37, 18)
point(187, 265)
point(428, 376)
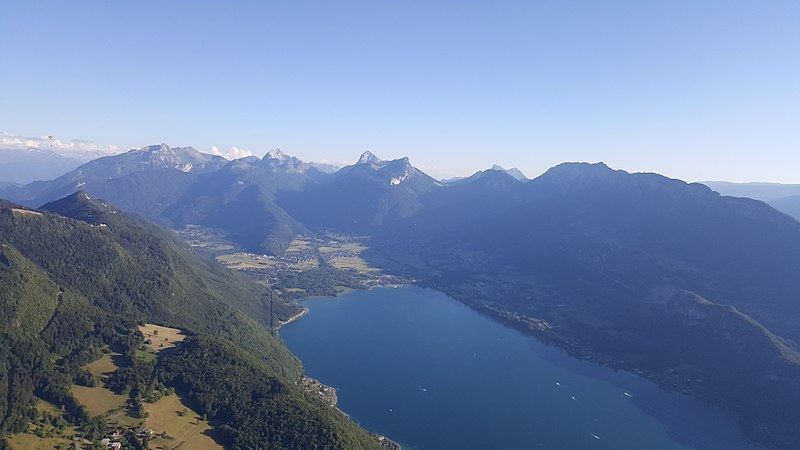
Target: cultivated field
point(352, 262)
point(342, 247)
point(245, 261)
point(187, 430)
point(299, 244)
point(161, 337)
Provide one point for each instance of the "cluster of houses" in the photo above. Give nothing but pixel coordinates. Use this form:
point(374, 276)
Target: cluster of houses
point(114, 440)
point(326, 393)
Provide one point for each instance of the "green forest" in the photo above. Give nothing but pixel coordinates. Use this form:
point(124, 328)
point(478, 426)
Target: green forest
point(77, 279)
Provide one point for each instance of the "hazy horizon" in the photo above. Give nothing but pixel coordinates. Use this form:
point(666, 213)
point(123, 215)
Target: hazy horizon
point(81, 146)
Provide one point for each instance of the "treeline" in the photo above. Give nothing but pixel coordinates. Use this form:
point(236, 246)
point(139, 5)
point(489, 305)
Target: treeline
point(259, 411)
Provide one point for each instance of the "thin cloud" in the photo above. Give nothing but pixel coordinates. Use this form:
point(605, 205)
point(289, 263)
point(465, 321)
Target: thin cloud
point(77, 147)
point(231, 153)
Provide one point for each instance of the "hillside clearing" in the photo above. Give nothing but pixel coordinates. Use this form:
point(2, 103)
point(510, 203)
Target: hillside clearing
point(189, 432)
point(24, 441)
point(26, 212)
point(98, 400)
point(106, 365)
point(161, 338)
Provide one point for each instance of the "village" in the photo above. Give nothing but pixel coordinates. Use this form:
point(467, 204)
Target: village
point(312, 265)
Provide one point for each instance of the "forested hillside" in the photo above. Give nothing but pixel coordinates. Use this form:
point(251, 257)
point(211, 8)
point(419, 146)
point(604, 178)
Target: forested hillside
point(74, 287)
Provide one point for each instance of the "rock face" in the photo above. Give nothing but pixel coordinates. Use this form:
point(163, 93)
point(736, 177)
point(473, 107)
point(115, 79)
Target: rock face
point(361, 196)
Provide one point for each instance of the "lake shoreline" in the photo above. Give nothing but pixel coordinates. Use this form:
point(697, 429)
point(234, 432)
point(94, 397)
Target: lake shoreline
point(297, 316)
point(417, 303)
point(329, 394)
point(580, 352)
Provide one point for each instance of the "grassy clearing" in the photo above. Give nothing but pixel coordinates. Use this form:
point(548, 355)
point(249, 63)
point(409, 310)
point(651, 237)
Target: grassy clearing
point(24, 441)
point(146, 355)
point(121, 419)
point(161, 337)
point(352, 262)
point(105, 365)
point(26, 212)
point(98, 400)
point(187, 430)
point(45, 406)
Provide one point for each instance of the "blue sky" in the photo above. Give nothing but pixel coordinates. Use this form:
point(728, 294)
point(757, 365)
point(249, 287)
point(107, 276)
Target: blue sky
point(692, 89)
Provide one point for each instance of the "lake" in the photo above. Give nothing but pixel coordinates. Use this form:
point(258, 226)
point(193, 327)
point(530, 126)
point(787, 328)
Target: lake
point(430, 373)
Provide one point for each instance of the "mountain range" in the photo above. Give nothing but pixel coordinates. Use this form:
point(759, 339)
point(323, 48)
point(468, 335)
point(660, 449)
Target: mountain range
point(759, 191)
point(695, 290)
point(783, 197)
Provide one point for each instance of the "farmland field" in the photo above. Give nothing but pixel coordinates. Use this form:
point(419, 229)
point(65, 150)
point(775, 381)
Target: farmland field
point(187, 430)
point(352, 262)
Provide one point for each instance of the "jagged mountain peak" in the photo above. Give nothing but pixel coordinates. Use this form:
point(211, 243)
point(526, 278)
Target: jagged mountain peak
point(390, 173)
point(276, 160)
point(277, 154)
point(368, 158)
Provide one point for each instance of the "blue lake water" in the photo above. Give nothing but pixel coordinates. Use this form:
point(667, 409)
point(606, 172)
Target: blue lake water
point(432, 374)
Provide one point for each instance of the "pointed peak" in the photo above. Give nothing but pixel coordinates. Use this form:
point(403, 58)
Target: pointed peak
point(368, 158)
point(277, 154)
point(514, 172)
